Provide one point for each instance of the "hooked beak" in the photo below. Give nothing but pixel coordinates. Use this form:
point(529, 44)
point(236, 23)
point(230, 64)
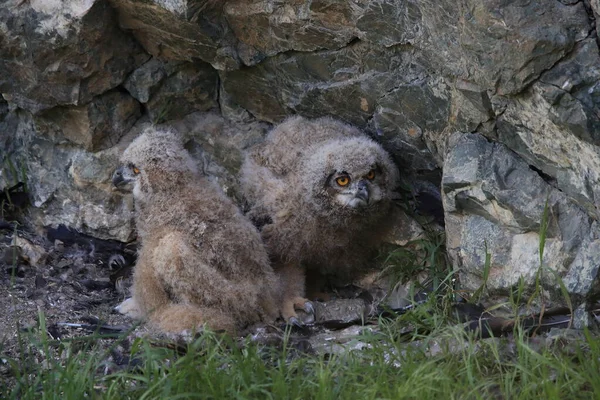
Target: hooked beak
point(362, 192)
point(117, 179)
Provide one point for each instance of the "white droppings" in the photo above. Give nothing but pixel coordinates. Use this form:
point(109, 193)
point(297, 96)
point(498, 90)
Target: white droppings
point(62, 15)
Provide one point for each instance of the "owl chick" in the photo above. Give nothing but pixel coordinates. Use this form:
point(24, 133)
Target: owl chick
point(322, 191)
point(201, 261)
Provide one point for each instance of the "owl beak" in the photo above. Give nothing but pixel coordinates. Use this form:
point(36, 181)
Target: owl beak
point(117, 179)
point(362, 191)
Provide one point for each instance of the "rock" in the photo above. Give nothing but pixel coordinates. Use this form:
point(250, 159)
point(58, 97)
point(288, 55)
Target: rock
point(409, 118)
point(500, 46)
point(267, 27)
point(390, 23)
point(71, 186)
point(381, 90)
point(405, 229)
point(341, 310)
point(34, 254)
point(61, 52)
point(346, 83)
point(187, 88)
point(172, 90)
point(94, 126)
point(554, 125)
point(146, 80)
point(595, 4)
point(341, 342)
point(180, 30)
point(68, 185)
point(494, 203)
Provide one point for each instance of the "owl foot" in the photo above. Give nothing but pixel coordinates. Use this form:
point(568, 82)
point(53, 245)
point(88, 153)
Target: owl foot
point(295, 322)
point(129, 308)
point(308, 307)
point(297, 303)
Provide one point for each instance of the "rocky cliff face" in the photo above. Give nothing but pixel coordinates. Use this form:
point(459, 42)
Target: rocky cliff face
point(489, 106)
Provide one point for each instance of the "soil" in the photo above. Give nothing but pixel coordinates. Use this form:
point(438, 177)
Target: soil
point(70, 284)
point(66, 281)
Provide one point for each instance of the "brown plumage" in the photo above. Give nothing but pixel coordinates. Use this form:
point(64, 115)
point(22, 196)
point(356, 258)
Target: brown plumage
point(201, 261)
point(323, 192)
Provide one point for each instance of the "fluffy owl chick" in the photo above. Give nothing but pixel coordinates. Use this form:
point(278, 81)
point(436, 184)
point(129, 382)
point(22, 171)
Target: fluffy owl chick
point(201, 261)
point(322, 191)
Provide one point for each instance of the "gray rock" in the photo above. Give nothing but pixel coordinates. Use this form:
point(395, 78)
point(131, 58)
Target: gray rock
point(188, 87)
point(381, 90)
point(499, 45)
point(267, 27)
point(554, 125)
point(494, 203)
point(405, 228)
point(409, 118)
point(180, 30)
point(145, 81)
point(32, 253)
point(62, 53)
point(172, 90)
point(68, 185)
point(94, 126)
point(389, 23)
point(346, 83)
point(343, 341)
point(341, 310)
point(595, 4)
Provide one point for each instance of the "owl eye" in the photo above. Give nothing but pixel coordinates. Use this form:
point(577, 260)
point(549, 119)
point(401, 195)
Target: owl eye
point(343, 180)
point(136, 170)
point(371, 175)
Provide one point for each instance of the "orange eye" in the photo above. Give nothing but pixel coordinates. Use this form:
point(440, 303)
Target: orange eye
point(343, 181)
point(136, 171)
point(371, 175)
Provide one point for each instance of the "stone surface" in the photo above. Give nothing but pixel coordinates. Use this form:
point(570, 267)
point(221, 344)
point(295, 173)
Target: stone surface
point(180, 30)
point(343, 341)
point(346, 82)
point(405, 229)
point(68, 185)
point(494, 203)
point(554, 125)
point(341, 310)
point(172, 90)
point(500, 45)
point(382, 90)
point(94, 126)
point(61, 52)
point(268, 27)
point(34, 254)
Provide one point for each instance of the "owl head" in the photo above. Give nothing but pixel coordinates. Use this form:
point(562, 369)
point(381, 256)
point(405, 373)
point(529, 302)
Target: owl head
point(154, 162)
point(352, 175)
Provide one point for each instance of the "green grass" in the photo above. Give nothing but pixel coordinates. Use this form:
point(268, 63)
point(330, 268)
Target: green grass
point(445, 363)
point(434, 360)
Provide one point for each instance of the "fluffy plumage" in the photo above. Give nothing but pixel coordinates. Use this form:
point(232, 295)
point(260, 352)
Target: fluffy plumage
point(201, 261)
point(322, 191)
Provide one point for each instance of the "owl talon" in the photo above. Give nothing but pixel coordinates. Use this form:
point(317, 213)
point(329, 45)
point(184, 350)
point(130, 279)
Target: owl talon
point(309, 308)
point(295, 322)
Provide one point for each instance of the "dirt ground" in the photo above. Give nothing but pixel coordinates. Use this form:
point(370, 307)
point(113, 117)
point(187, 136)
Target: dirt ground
point(69, 281)
point(72, 282)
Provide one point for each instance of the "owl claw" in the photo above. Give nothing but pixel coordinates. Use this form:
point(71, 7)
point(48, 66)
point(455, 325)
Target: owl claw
point(309, 307)
point(295, 322)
